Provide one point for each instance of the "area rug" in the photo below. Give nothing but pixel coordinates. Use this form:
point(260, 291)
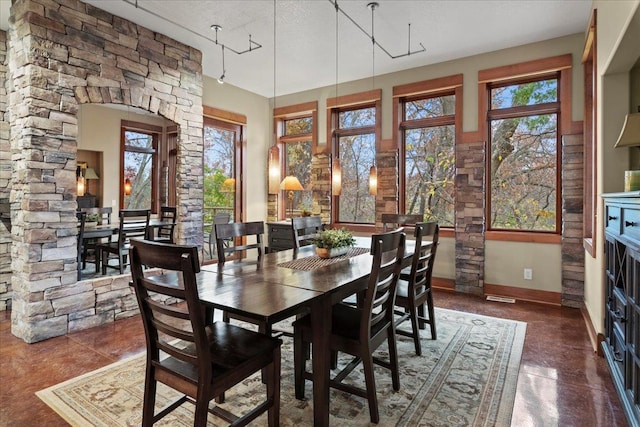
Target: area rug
point(467, 377)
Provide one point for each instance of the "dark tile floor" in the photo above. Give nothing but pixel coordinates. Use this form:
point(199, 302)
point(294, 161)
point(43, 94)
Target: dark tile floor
point(561, 381)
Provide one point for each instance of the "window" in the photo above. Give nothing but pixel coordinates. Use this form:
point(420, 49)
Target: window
point(355, 134)
point(297, 142)
point(220, 188)
point(428, 134)
point(139, 165)
point(524, 154)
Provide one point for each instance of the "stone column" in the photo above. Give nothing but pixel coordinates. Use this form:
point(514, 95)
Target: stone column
point(5, 183)
point(388, 179)
point(470, 192)
point(572, 231)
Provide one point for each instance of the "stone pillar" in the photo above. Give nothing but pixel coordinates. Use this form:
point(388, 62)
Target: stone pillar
point(63, 53)
point(572, 231)
point(470, 192)
point(388, 179)
point(5, 183)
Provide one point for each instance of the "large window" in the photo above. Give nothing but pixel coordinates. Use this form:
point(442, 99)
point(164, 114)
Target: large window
point(355, 145)
point(139, 165)
point(296, 139)
point(524, 154)
point(428, 134)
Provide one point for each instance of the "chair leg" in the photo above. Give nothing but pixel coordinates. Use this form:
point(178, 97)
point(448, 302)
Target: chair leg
point(202, 410)
point(416, 331)
point(370, 381)
point(393, 359)
point(121, 259)
point(432, 316)
point(334, 359)
point(149, 403)
point(105, 262)
point(422, 324)
point(298, 363)
point(273, 389)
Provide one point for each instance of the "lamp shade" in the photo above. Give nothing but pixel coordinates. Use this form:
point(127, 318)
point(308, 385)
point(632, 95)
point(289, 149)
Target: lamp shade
point(373, 180)
point(291, 183)
point(336, 177)
point(274, 170)
point(228, 186)
point(90, 173)
point(630, 134)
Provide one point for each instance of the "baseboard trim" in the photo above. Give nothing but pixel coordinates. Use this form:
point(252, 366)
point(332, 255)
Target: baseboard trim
point(442, 284)
point(523, 294)
point(595, 338)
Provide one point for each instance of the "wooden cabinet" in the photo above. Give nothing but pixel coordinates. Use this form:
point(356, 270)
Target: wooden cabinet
point(87, 201)
point(280, 235)
point(622, 312)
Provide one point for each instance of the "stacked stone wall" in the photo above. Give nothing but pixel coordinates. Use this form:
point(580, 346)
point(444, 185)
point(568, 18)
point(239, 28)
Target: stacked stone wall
point(63, 53)
point(388, 182)
point(5, 183)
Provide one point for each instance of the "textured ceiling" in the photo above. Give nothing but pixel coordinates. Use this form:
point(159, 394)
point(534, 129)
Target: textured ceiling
point(306, 34)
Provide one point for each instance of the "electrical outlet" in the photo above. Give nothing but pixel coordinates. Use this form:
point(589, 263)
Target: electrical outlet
point(113, 203)
point(528, 274)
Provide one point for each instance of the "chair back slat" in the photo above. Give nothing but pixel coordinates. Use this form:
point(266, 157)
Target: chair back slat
point(423, 256)
point(168, 214)
point(133, 224)
point(393, 221)
point(304, 229)
point(228, 238)
point(175, 322)
point(387, 250)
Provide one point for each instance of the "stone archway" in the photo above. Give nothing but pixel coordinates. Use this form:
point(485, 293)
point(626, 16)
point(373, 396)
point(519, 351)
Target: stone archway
point(62, 54)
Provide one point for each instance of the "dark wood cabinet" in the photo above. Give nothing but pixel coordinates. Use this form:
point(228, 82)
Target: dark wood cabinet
point(280, 235)
point(621, 346)
point(86, 201)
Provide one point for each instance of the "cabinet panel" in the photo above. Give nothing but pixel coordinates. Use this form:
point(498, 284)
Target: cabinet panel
point(631, 223)
point(613, 219)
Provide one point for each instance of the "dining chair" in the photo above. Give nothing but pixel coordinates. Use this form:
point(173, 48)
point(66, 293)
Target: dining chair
point(393, 221)
point(414, 291)
point(89, 246)
point(359, 331)
point(210, 239)
point(168, 215)
point(203, 360)
point(81, 217)
point(304, 229)
point(230, 238)
point(134, 223)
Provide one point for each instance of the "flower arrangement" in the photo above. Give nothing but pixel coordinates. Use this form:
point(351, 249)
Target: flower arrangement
point(338, 238)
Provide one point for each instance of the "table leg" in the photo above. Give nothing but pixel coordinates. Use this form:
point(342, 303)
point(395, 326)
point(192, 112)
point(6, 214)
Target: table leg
point(321, 331)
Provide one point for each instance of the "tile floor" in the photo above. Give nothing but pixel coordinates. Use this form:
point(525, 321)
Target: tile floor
point(561, 381)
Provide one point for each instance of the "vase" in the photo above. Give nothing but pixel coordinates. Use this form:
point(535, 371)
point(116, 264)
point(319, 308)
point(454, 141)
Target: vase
point(331, 252)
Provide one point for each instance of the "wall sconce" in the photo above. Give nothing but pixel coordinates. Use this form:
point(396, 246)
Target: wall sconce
point(373, 180)
point(336, 177)
point(127, 187)
point(290, 183)
point(274, 170)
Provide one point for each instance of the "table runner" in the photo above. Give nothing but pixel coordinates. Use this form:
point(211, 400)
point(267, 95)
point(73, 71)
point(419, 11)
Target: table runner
point(313, 262)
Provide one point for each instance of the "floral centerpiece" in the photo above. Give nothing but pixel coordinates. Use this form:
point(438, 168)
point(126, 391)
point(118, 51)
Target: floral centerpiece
point(332, 243)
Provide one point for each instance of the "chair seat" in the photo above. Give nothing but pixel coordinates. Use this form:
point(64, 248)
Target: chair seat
point(402, 291)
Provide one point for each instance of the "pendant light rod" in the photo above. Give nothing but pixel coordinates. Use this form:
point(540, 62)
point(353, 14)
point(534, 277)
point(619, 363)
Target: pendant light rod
point(252, 44)
point(409, 52)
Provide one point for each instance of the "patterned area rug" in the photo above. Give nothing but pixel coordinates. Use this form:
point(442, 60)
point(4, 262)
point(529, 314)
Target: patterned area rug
point(467, 377)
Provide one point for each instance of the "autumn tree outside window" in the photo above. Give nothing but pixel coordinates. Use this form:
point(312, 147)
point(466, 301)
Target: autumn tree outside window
point(524, 154)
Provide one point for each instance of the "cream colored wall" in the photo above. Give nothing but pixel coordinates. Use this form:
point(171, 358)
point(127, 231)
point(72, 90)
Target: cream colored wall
point(99, 130)
point(257, 109)
point(547, 257)
point(618, 49)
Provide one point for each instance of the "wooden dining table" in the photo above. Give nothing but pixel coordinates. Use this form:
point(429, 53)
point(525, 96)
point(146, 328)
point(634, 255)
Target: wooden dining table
point(275, 288)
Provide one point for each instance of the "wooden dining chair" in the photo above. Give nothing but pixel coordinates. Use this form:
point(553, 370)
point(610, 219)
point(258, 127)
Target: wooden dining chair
point(393, 221)
point(305, 228)
point(134, 223)
point(414, 291)
point(81, 217)
point(210, 239)
point(203, 360)
point(89, 246)
point(359, 331)
point(168, 216)
point(231, 238)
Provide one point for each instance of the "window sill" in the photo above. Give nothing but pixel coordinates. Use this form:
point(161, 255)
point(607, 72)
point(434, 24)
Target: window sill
point(527, 237)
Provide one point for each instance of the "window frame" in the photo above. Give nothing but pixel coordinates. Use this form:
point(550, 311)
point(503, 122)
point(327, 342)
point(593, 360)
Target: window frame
point(280, 116)
point(561, 64)
point(357, 101)
point(156, 132)
point(590, 132)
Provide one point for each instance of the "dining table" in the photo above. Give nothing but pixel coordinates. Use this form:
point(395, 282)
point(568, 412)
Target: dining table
point(282, 284)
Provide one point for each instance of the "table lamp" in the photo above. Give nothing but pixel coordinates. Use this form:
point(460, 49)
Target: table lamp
point(290, 183)
point(90, 174)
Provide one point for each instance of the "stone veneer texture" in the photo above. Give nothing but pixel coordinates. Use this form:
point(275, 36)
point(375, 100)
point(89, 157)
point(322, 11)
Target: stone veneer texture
point(62, 53)
point(5, 184)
